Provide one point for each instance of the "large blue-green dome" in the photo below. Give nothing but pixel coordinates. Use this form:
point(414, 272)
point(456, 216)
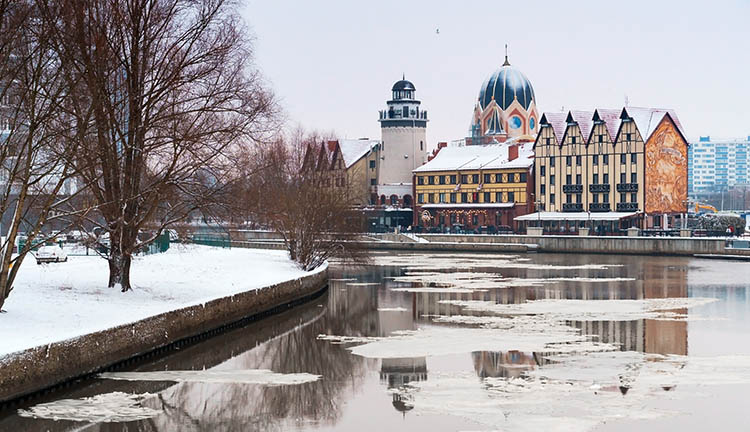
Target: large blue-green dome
point(505, 85)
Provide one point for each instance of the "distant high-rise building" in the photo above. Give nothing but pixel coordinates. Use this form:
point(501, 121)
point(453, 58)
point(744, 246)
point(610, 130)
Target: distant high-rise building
point(716, 165)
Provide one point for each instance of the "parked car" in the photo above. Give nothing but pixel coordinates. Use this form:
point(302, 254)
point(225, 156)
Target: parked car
point(504, 229)
point(48, 254)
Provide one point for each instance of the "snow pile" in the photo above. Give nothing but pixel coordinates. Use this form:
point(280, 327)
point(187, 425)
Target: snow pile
point(55, 302)
point(243, 376)
point(104, 408)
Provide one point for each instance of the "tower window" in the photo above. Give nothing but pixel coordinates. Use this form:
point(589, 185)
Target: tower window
point(421, 146)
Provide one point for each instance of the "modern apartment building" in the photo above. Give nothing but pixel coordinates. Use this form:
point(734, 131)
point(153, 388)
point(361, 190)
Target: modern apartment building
point(717, 165)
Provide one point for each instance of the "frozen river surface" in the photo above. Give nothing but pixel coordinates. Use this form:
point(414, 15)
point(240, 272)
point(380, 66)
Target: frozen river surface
point(454, 342)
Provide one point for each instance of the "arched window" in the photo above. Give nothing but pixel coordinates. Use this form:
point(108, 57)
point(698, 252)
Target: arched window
point(394, 200)
point(407, 201)
point(382, 199)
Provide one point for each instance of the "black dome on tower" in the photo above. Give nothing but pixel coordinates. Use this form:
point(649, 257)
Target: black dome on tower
point(403, 85)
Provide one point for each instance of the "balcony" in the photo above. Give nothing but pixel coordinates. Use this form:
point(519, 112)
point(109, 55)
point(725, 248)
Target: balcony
point(627, 207)
point(599, 207)
point(572, 207)
point(599, 187)
point(627, 187)
point(572, 188)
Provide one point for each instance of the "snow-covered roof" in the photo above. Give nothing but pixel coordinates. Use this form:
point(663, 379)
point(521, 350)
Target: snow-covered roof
point(557, 121)
point(468, 205)
point(354, 150)
point(611, 119)
point(647, 119)
point(394, 189)
point(574, 216)
point(475, 157)
point(583, 118)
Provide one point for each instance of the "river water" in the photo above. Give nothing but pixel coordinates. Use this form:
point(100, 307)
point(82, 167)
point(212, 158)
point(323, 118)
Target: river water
point(454, 342)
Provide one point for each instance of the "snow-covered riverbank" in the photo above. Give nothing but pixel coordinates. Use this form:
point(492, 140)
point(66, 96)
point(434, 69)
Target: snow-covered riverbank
point(55, 302)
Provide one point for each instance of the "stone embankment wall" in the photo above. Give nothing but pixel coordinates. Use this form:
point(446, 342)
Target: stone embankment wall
point(35, 369)
point(606, 245)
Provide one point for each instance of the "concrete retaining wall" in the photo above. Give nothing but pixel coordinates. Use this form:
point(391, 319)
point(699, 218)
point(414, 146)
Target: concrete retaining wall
point(607, 245)
point(453, 246)
point(38, 368)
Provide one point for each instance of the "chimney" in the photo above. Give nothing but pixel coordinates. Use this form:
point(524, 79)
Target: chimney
point(512, 152)
point(332, 145)
point(442, 144)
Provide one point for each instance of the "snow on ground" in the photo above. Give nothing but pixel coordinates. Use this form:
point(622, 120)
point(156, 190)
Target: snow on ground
point(59, 301)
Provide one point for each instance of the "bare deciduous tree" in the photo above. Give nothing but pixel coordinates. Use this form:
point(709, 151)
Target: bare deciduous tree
point(33, 171)
point(162, 94)
point(296, 194)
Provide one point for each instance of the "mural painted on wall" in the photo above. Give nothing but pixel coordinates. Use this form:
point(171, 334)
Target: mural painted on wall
point(666, 170)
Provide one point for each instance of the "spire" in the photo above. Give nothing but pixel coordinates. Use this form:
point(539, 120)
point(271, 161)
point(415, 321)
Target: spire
point(507, 63)
point(403, 76)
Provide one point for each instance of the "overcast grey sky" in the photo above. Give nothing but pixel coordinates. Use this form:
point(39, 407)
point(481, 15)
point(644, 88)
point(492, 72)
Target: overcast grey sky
point(332, 63)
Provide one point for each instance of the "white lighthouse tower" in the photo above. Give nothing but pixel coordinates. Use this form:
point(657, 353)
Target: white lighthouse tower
point(403, 128)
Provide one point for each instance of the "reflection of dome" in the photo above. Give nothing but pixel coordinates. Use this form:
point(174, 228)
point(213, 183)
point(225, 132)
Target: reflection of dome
point(505, 85)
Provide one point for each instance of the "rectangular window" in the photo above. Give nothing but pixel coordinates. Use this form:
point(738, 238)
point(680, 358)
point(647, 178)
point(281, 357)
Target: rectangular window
point(420, 180)
point(475, 178)
point(623, 197)
point(373, 182)
point(578, 179)
point(453, 179)
point(573, 139)
point(498, 197)
point(453, 198)
point(552, 162)
point(634, 197)
point(523, 178)
point(547, 141)
point(475, 197)
point(511, 197)
point(487, 178)
point(605, 159)
point(420, 198)
point(431, 180)
point(486, 197)
point(623, 158)
point(568, 179)
point(464, 179)
point(596, 179)
point(596, 198)
point(499, 178)
point(372, 164)
point(622, 177)
point(628, 136)
point(600, 138)
point(568, 160)
point(442, 179)
point(606, 198)
point(431, 198)
point(633, 157)
point(552, 180)
point(511, 178)
point(568, 198)
point(464, 197)
point(552, 199)
point(606, 178)
point(542, 190)
point(596, 159)
point(578, 160)
point(633, 178)
point(442, 197)
point(578, 198)
point(542, 171)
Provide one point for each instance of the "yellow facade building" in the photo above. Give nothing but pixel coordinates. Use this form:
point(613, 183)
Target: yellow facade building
point(474, 187)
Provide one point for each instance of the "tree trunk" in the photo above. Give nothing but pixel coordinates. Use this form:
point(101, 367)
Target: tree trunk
point(119, 270)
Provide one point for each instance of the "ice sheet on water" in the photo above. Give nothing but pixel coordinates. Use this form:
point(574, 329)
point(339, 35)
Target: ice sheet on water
point(393, 309)
point(243, 376)
point(338, 340)
point(103, 408)
point(590, 310)
point(471, 261)
point(436, 341)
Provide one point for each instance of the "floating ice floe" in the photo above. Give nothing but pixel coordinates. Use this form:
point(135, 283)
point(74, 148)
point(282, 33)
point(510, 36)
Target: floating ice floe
point(339, 340)
point(103, 408)
point(243, 376)
point(436, 341)
point(590, 310)
point(393, 309)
